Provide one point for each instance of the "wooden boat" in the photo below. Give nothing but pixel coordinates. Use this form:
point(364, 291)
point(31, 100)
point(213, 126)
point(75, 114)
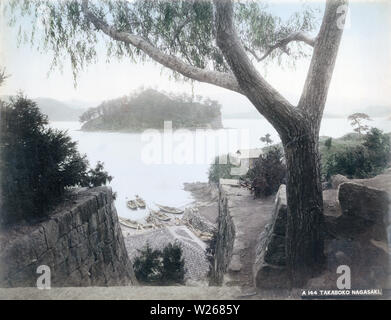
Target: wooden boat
point(169, 209)
point(131, 204)
point(205, 236)
point(129, 223)
point(140, 202)
point(152, 219)
point(160, 215)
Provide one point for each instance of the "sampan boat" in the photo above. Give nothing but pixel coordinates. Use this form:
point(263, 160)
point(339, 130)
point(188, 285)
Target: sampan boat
point(160, 215)
point(168, 209)
point(131, 204)
point(129, 223)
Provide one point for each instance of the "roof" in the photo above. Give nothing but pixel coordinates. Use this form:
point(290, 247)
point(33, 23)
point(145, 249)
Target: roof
point(248, 153)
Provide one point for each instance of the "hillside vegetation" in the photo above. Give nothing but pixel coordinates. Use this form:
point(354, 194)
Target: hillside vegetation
point(149, 109)
point(349, 155)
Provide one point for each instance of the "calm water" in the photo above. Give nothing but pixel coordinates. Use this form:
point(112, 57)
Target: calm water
point(178, 158)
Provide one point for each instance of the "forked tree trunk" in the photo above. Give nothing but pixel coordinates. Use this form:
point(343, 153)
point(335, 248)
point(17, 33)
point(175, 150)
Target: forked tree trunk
point(304, 238)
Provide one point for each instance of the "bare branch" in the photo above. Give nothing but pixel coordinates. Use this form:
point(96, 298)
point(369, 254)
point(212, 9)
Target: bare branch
point(221, 79)
point(313, 98)
point(282, 44)
point(253, 53)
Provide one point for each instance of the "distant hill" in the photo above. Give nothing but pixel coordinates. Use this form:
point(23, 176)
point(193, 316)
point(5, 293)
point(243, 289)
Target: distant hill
point(55, 109)
point(149, 109)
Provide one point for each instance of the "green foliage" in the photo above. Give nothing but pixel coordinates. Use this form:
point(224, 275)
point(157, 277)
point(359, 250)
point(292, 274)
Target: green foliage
point(378, 145)
point(173, 270)
point(362, 160)
point(96, 177)
point(147, 267)
point(219, 170)
point(266, 139)
point(160, 267)
point(352, 162)
point(268, 173)
point(328, 143)
point(149, 109)
point(181, 28)
point(38, 164)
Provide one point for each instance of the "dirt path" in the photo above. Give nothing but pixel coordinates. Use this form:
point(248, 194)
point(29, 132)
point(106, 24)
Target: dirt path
point(250, 217)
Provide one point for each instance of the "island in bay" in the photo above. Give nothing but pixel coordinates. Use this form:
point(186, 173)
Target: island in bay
point(148, 109)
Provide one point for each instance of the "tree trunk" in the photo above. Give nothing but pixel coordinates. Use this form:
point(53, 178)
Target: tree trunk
point(304, 237)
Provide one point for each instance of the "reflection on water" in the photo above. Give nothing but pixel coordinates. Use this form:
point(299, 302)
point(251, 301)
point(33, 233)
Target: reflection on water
point(163, 182)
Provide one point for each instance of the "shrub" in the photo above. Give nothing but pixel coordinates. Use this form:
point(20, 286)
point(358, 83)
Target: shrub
point(160, 267)
point(37, 164)
point(219, 171)
point(268, 173)
point(96, 177)
point(173, 270)
point(351, 162)
point(378, 146)
point(361, 161)
point(147, 267)
point(328, 143)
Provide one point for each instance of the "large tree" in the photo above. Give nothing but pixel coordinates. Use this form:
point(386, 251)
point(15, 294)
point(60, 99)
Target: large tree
point(220, 43)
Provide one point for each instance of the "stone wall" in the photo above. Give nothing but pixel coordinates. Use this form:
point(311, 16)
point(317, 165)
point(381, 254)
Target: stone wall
point(269, 267)
point(82, 244)
point(241, 217)
point(225, 240)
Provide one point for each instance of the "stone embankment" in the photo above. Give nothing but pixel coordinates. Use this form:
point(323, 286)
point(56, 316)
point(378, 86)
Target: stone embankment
point(82, 245)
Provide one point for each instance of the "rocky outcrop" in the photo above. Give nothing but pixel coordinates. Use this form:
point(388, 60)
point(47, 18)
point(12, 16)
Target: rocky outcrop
point(358, 236)
point(269, 267)
point(82, 245)
point(337, 180)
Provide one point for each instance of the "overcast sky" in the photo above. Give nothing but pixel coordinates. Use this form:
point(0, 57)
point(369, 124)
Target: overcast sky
point(362, 76)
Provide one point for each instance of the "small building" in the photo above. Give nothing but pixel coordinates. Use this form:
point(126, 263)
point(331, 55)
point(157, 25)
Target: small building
point(250, 155)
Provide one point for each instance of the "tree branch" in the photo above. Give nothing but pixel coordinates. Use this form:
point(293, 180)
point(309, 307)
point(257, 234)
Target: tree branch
point(274, 107)
point(296, 36)
point(313, 98)
point(221, 79)
point(3, 76)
